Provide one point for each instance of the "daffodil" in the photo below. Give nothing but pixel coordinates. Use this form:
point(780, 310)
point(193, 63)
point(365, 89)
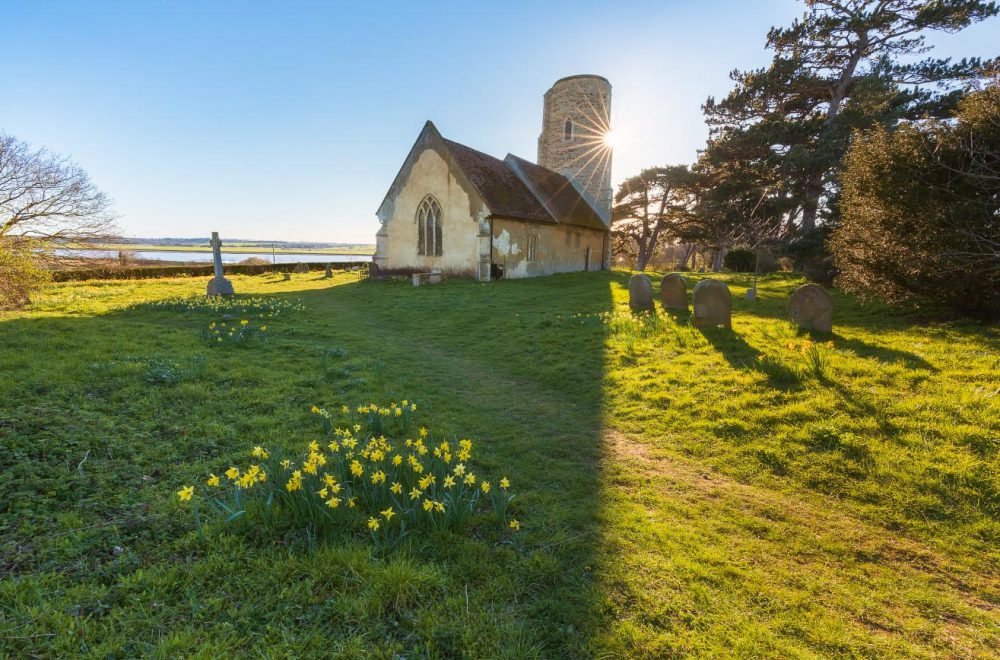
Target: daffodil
point(373, 524)
point(470, 479)
point(396, 487)
point(233, 473)
point(388, 513)
point(428, 505)
point(415, 494)
point(505, 483)
point(185, 493)
point(449, 481)
point(459, 469)
point(356, 469)
point(439, 507)
point(212, 480)
point(485, 486)
point(515, 525)
point(286, 464)
point(333, 502)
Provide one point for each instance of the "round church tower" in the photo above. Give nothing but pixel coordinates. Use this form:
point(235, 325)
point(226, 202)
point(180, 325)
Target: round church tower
point(574, 139)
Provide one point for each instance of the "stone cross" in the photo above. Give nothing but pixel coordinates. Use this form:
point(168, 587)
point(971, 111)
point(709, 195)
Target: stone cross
point(218, 285)
point(217, 253)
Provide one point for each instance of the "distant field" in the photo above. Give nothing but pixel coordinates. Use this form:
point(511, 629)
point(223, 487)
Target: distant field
point(249, 248)
point(682, 492)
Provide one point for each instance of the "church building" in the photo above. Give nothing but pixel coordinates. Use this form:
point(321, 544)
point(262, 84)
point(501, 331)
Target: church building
point(462, 212)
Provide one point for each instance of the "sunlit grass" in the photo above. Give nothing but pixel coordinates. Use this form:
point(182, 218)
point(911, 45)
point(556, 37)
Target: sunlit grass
point(682, 491)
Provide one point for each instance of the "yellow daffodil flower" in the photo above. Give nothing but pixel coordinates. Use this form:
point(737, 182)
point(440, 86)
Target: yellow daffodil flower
point(185, 493)
point(212, 480)
point(373, 524)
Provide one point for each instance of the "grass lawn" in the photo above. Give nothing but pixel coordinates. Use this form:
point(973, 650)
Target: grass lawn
point(682, 492)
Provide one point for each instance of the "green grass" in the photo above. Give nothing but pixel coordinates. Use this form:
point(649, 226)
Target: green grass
point(682, 491)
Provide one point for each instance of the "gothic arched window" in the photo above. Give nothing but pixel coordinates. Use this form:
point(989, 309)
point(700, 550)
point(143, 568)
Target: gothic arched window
point(429, 228)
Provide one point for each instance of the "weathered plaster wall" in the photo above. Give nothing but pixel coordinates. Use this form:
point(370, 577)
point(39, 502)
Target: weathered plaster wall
point(560, 248)
point(463, 220)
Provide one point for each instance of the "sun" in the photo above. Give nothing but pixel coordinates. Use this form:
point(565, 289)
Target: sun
point(609, 139)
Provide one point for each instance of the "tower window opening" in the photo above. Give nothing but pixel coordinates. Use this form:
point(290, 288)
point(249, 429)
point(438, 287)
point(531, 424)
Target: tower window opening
point(568, 130)
point(429, 228)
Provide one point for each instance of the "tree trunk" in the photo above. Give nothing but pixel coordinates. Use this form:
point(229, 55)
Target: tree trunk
point(717, 260)
point(810, 205)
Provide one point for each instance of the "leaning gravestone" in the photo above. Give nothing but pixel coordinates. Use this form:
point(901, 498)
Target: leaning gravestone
point(640, 293)
point(329, 272)
point(218, 285)
point(673, 292)
point(713, 304)
point(811, 307)
point(300, 268)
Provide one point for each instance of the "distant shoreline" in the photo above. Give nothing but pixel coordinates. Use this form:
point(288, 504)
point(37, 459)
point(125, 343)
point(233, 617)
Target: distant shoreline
point(145, 247)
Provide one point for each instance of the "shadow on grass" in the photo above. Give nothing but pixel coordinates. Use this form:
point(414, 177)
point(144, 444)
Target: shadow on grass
point(881, 353)
point(742, 355)
point(530, 398)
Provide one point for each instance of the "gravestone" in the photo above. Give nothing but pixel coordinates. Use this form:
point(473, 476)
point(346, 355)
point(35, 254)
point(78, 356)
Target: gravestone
point(218, 285)
point(673, 292)
point(640, 293)
point(286, 276)
point(300, 268)
point(713, 304)
point(811, 307)
point(329, 272)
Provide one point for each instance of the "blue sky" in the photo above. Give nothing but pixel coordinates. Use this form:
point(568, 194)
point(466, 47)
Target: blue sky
point(288, 120)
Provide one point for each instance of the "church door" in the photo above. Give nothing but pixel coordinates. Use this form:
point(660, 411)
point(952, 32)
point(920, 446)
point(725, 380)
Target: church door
point(586, 259)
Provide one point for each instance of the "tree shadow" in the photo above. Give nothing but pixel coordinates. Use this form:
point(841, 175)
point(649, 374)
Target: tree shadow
point(475, 358)
point(741, 355)
point(883, 354)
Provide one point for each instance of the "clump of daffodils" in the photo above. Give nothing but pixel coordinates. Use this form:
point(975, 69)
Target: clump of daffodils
point(239, 332)
point(373, 471)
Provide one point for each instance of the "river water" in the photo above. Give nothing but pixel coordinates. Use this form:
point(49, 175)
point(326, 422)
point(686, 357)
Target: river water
point(227, 257)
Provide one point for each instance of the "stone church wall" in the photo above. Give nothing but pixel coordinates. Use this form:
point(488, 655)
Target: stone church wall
point(463, 217)
point(558, 248)
point(584, 158)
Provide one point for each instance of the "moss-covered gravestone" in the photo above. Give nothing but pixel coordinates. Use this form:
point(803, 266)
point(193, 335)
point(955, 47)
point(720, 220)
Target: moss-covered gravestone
point(673, 292)
point(713, 304)
point(811, 307)
point(640, 293)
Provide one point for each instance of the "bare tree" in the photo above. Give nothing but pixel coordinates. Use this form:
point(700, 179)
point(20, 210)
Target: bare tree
point(46, 198)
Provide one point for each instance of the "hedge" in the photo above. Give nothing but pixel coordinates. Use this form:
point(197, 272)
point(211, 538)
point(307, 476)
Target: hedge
point(152, 272)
